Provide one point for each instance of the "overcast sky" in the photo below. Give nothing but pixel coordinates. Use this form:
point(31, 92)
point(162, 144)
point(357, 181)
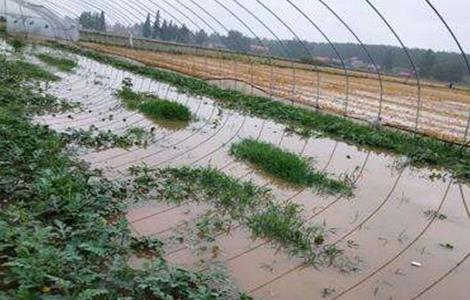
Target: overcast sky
point(413, 20)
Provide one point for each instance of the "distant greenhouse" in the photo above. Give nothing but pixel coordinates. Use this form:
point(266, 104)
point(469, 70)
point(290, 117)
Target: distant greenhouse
point(36, 21)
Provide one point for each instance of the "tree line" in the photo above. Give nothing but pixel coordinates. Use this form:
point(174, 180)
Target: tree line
point(93, 21)
point(442, 66)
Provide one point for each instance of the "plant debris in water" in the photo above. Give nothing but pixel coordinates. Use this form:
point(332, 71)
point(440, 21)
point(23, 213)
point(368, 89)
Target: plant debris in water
point(62, 230)
point(287, 166)
point(61, 63)
point(104, 140)
point(152, 106)
point(420, 150)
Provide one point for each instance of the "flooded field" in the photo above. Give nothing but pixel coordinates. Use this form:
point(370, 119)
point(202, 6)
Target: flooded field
point(442, 111)
point(404, 233)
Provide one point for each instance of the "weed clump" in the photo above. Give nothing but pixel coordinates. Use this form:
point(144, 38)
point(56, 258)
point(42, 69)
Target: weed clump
point(63, 64)
point(287, 166)
point(281, 224)
point(165, 110)
point(152, 106)
point(17, 44)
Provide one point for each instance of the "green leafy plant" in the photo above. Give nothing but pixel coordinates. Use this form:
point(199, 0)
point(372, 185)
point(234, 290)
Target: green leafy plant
point(62, 228)
point(287, 166)
point(18, 70)
point(147, 246)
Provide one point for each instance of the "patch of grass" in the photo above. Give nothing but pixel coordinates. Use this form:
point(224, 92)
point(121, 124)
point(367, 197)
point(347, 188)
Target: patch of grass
point(180, 184)
point(420, 150)
point(281, 223)
point(17, 44)
point(16, 71)
point(61, 63)
point(287, 166)
point(36, 72)
point(165, 110)
point(152, 106)
point(62, 228)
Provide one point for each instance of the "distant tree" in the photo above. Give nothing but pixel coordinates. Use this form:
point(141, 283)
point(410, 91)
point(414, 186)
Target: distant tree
point(437, 65)
point(450, 71)
point(156, 26)
point(164, 34)
point(183, 34)
point(388, 61)
point(93, 21)
point(85, 20)
point(427, 64)
point(200, 37)
point(172, 31)
point(235, 40)
point(147, 28)
point(102, 22)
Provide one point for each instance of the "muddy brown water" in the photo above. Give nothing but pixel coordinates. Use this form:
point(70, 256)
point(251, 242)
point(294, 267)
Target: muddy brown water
point(383, 228)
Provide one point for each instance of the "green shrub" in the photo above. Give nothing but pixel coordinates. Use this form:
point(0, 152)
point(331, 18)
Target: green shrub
point(287, 166)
